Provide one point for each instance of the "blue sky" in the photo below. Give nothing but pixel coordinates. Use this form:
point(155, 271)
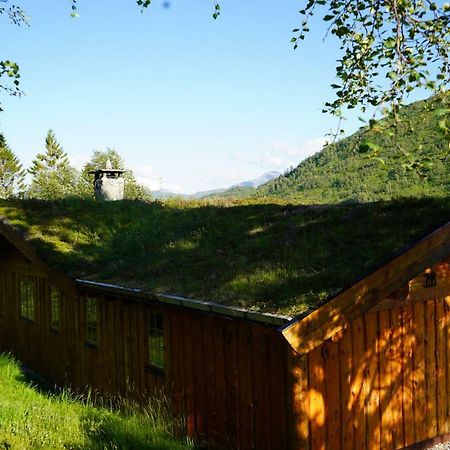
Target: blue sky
point(194, 102)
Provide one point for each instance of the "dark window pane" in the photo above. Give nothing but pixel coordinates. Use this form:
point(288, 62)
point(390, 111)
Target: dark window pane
point(27, 298)
point(55, 307)
point(156, 340)
point(91, 320)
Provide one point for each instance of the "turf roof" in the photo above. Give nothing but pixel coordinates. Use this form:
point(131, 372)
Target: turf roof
point(272, 257)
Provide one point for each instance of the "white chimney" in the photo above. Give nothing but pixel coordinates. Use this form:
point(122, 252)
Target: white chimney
point(108, 183)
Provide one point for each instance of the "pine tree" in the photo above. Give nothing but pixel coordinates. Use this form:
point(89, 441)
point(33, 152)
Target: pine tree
point(133, 190)
point(12, 175)
point(53, 176)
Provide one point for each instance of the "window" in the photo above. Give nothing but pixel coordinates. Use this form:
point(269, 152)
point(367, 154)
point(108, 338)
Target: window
point(91, 320)
point(27, 298)
point(156, 340)
point(55, 308)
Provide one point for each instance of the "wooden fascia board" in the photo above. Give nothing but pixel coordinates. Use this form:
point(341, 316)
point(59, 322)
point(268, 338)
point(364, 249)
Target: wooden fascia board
point(14, 237)
point(306, 333)
point(178, 301)
point(19, 241)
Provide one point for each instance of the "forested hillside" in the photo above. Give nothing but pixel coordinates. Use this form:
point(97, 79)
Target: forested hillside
point(352, 170)
point(234, 192)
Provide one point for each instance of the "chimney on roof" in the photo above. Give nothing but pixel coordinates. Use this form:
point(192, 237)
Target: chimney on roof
point(108, 183)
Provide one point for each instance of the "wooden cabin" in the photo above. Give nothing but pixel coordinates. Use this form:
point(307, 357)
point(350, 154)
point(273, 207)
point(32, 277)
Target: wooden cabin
point(366, 368)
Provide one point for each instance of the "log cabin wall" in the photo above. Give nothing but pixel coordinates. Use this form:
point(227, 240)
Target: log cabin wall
point(384, 383)
point(226, 378)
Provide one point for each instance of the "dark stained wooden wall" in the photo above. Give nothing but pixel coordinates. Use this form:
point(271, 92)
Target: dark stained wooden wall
point(384, 383)
point(227, 379)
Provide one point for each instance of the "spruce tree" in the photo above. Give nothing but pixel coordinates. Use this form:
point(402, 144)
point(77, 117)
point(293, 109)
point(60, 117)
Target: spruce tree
point(12, 175)
point(53, 176)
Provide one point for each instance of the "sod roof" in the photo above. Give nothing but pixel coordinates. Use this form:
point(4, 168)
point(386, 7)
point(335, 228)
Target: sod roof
point(272, 257)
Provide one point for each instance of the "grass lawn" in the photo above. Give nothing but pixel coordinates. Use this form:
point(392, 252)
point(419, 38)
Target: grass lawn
point(31, 419)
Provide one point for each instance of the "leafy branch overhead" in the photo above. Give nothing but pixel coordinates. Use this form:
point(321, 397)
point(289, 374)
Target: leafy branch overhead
point(411, 155)
point(147, 3)
point(9, 69)
point(388, 48)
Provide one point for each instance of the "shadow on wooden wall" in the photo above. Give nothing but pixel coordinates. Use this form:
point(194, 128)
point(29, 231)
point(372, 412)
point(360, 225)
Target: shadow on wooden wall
point(381, 385)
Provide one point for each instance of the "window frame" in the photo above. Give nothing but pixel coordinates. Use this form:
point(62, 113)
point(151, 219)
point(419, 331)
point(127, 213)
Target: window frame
point(156, 352)
point(55, 299)
point(27, 306)
point(91, 326)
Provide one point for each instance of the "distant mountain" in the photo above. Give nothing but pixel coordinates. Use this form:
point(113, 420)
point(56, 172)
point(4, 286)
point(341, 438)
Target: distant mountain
point(202, 194)
point(163, 194)
point(367, 166)
point(266, 177)
point(237, 190)
point(244, 189)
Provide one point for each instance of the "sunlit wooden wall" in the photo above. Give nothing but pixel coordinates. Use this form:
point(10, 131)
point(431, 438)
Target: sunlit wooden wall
point(384, 383)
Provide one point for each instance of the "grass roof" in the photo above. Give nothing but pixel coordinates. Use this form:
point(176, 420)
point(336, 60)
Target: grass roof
point(271, 257)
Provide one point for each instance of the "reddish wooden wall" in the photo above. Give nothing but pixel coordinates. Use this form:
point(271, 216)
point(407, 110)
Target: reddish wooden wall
point(230, 379)
point(227, 378)
point(385, 382)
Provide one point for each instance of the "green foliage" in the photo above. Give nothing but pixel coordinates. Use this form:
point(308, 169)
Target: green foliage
point(32, 419)
point(74, 12)
point(99, 160)
point(12, 175)
point(268, 256)
point(402, 156)
point(53, 176)
point(216, 12)
point(10, 69)
point(146, 3)
point(388, 48)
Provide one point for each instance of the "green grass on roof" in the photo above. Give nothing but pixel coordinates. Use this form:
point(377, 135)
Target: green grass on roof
point(272, 257)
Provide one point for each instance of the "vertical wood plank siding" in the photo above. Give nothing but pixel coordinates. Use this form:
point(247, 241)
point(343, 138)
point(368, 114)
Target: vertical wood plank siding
point(384, 383)
point(231, 382)
point(226, 379)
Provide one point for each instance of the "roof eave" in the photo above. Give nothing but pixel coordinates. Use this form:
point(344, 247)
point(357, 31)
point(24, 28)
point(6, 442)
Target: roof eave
point(18, 239)
point(176, 300)
point(304, 333)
